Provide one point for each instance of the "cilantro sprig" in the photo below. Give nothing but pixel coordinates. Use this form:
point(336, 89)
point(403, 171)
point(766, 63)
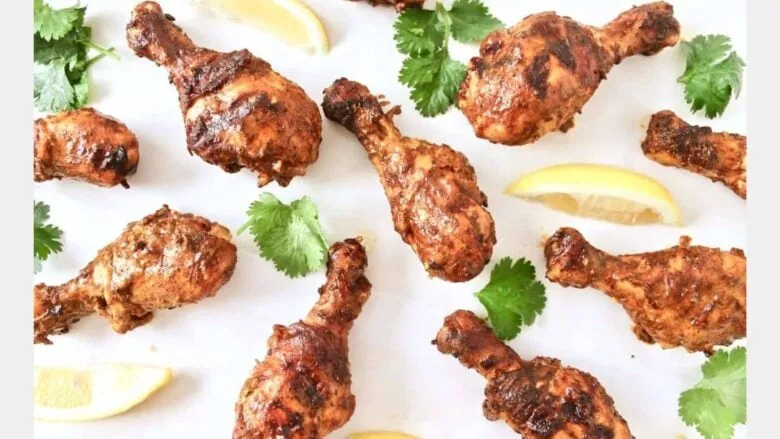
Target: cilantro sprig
point(713, 73)
point(513, 297)
point(423, 35)
point(288, 235)
point(718, 402)
point(61, 45)
point(46, 237)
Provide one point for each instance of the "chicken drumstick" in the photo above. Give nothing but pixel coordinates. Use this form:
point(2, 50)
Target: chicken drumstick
point(688, 296)
point(540, 399)
point(85, 145)
point(718, 156)
point(533, 78)
point(166, 260)
point(238, 112)
point(437, 206)
point(301, 390)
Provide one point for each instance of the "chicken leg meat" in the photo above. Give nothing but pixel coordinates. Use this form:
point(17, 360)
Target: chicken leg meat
point(166, 260)
point(301, 390)
point(687, 296)
point(436, 204)
point(539, 399)
point(85, 145)
point(238, 112)
point(533, 78)
point(718, 156)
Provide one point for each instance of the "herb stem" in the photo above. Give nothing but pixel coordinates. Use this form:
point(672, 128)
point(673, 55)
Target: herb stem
point(103, 51)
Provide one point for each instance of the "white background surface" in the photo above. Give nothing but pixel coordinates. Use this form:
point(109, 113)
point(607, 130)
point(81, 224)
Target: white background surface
point(400, 380)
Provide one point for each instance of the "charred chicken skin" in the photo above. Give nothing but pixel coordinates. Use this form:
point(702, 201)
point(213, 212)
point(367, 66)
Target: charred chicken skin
point(84, 145)
point(533, 78)
point(399, 5)
point(238, 112)
point(687, 296)
point(720, 157)
point(539, 399)
point(436, 204)
point(163, 261)
point(301, 390)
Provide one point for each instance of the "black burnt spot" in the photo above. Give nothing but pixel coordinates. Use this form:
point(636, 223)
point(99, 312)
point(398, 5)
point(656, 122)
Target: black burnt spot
point(114, 159)
point(562, 51)
point(658, 27)
point(210, 76)
point(537, 75)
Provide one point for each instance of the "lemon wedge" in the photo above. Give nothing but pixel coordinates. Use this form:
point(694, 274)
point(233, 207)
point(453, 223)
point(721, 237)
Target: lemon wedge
point(291, 21)
point(380, 435)
point(74, 395)
point(599, 191)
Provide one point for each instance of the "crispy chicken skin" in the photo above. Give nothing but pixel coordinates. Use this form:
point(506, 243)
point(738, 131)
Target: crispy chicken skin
point(163, 261)
point(539, 399)
point(238, 112)
point(533, 78)
point(687, 296)
point(85, 145)
point(399, 5)
point(301, 390)
point(436, 204)
point(720, 157)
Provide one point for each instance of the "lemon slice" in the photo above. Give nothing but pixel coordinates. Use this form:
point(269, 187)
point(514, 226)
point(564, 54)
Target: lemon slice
point(380, 435)
point(290, 20)
point(74, 395)
point(599, 191)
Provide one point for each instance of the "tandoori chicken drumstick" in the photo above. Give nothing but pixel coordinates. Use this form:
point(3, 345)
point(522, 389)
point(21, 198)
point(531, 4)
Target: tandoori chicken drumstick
point(84, 145)
point(718, 156)
point(163, 261)
point(689, 296)
point(436, 204)
point(533, 78)
point(540, 399)
point(301, 390)
point(238, 112)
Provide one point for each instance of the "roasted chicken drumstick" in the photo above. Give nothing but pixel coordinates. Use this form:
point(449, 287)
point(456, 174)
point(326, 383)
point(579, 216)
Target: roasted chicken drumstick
point(238, 112)
point(688, 296)
point(718, 156)
point(436, 204)
point(166, 260)
point(85, 145)
point(301, 390)
point(540, 399)
point(533, 78)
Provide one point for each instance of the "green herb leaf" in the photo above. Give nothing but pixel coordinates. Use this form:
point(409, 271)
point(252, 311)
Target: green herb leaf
point(434, 80)
point(52, 24)
point(513, 297)
point(52, 92)
point(718, 402)
point(418, 31)
point(712, 74)
point(46, 237)
point(288, 235)
point(471, 21)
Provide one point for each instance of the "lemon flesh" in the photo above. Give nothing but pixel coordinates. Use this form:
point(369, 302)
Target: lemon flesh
point(75, 395)
point(380, 435)
point(291, 21)
point(599, 191)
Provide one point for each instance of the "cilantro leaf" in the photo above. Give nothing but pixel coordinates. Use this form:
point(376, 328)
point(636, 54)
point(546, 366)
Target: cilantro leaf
point(52, 91)
point(52, 24)
point(418, 31)
point(471, 21)
point(718, 402)
point(46, 237)
point(288, 235)
point(434, 80)
point(713, 73)
point(513, 297)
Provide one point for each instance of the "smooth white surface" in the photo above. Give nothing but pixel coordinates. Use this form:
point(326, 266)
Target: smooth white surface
point(400, 380)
